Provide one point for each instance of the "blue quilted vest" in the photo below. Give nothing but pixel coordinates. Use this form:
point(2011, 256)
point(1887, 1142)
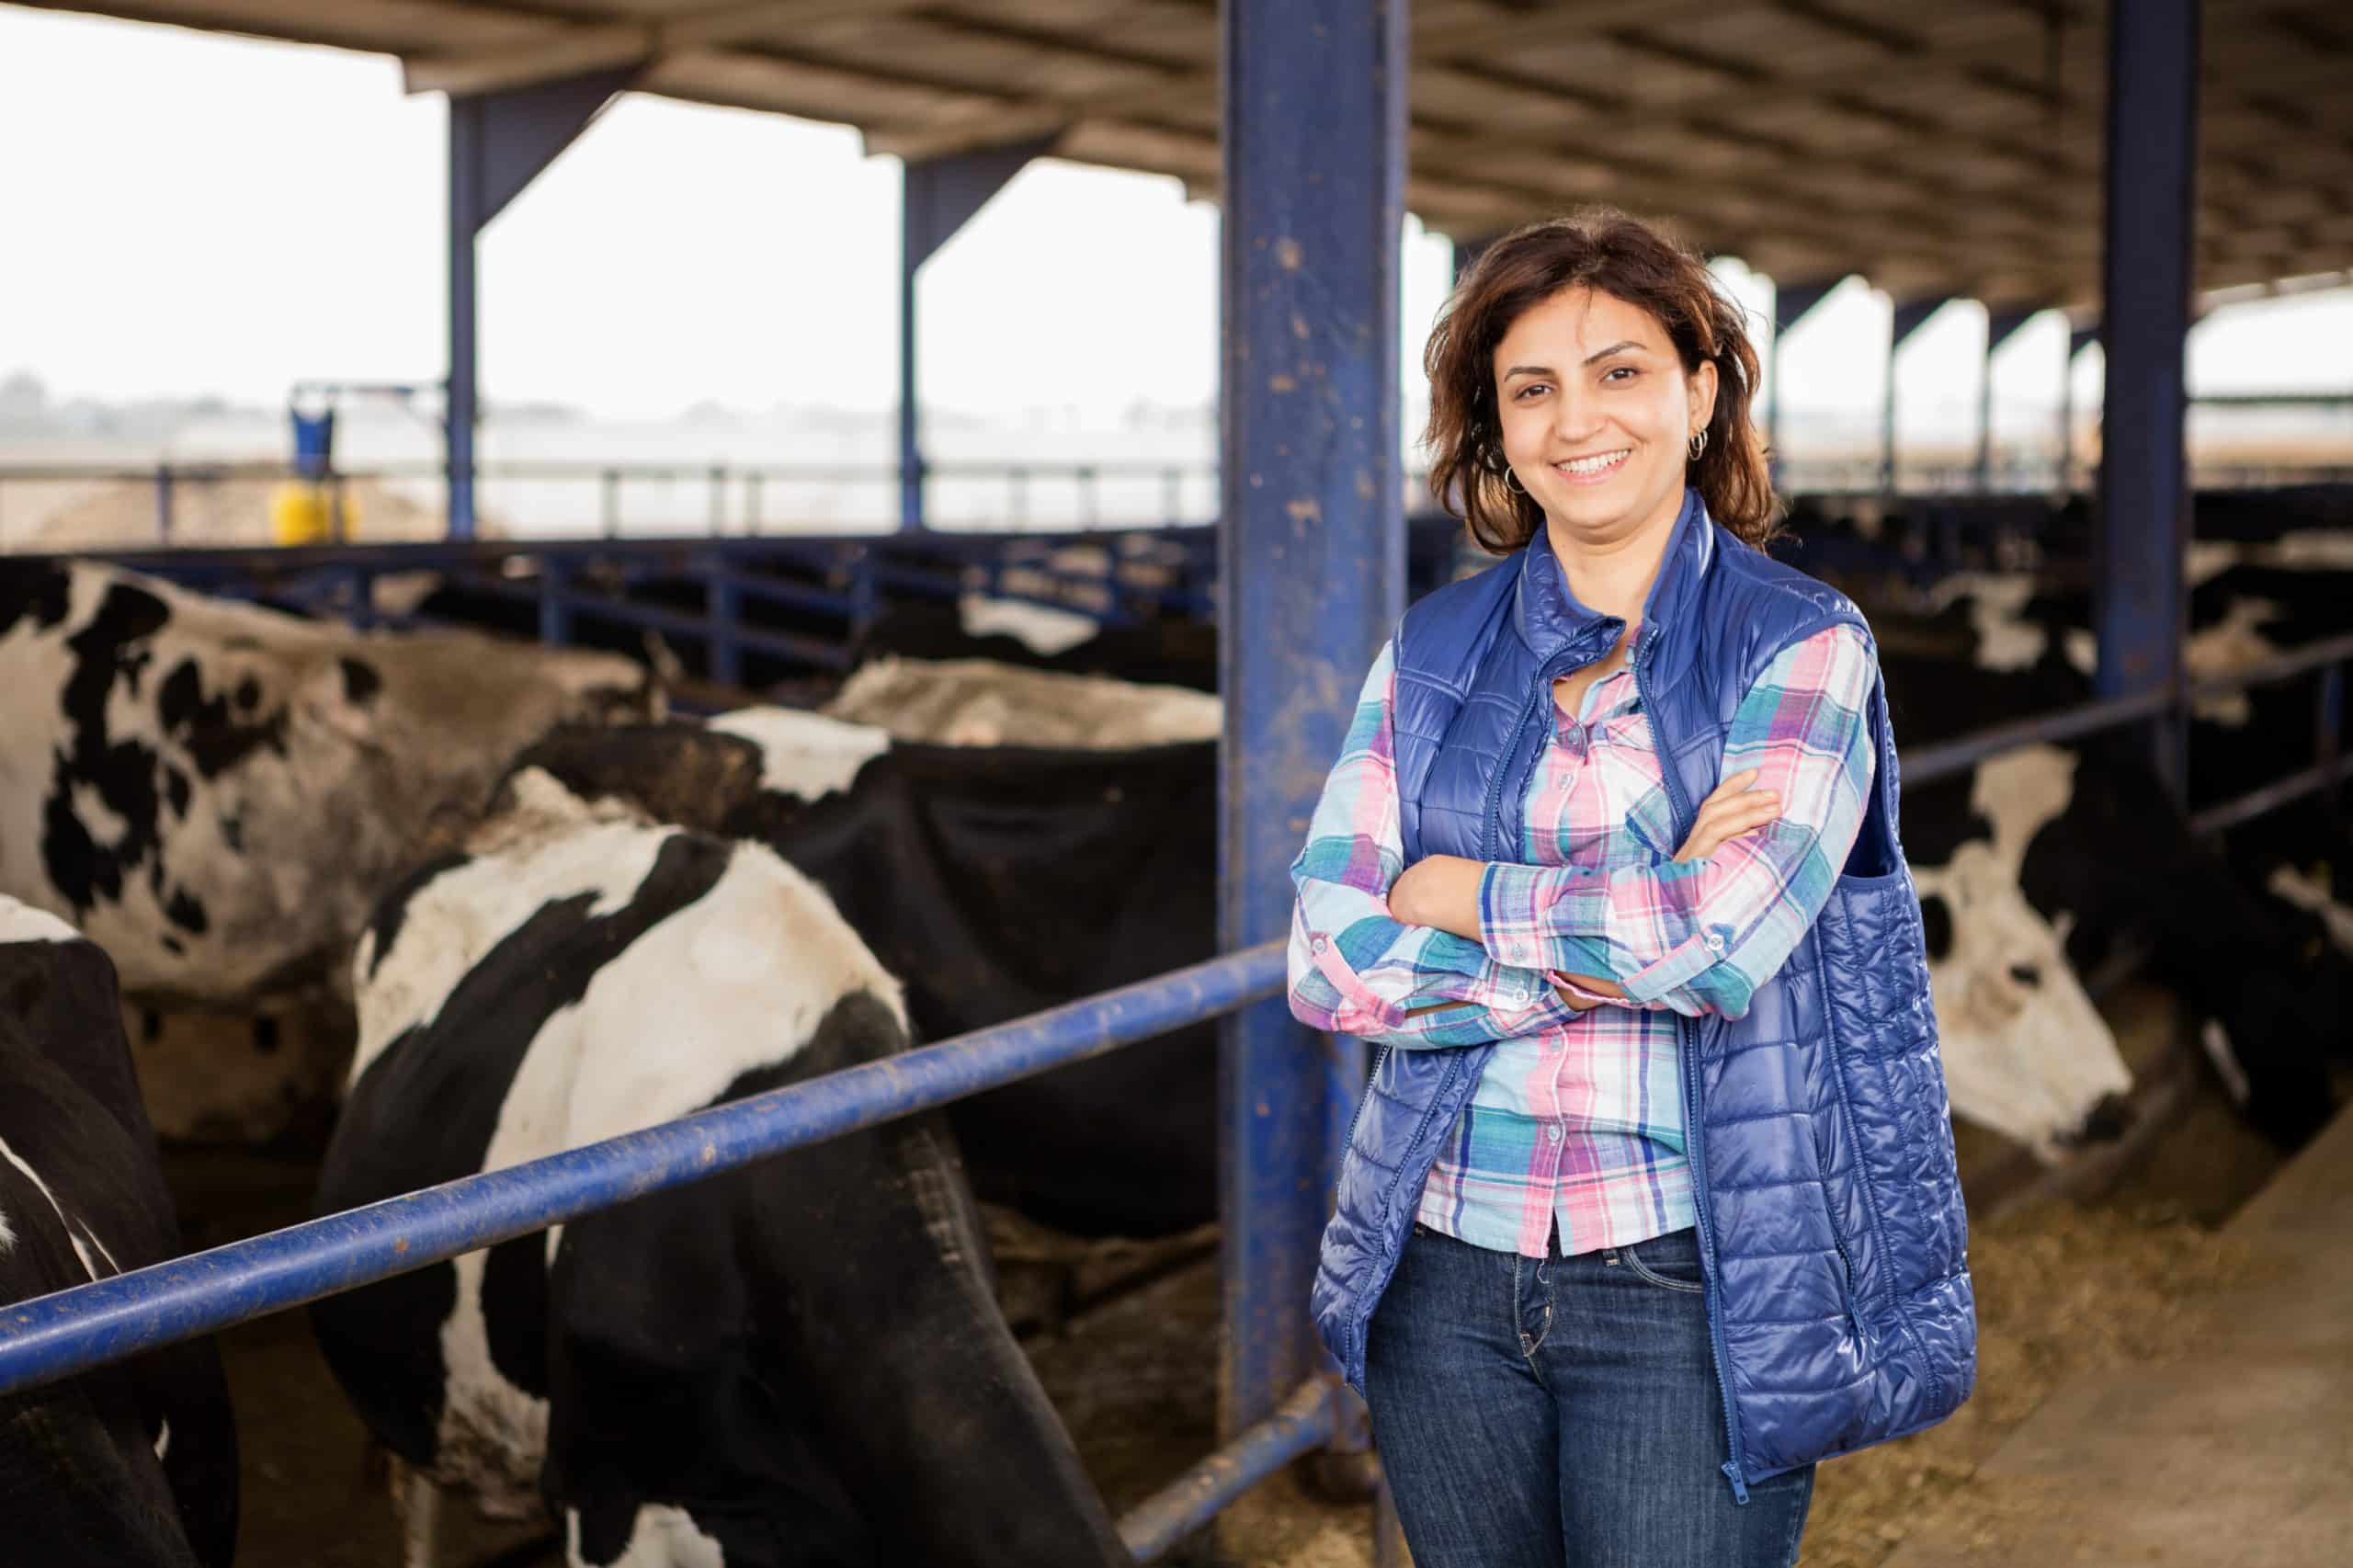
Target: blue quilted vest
point(1830, 1221)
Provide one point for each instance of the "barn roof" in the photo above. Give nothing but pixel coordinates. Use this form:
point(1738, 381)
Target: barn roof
point(1937, 149)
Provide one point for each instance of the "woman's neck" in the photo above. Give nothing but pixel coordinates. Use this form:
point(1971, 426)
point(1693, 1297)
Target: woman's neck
point(1614, 575)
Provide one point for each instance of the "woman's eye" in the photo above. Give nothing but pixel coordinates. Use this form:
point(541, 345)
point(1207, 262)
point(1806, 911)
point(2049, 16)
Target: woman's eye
point(1523, 394)
point(1615, 371)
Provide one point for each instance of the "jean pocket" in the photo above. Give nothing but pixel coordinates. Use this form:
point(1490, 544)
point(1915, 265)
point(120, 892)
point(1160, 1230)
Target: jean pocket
point(1670, 1262)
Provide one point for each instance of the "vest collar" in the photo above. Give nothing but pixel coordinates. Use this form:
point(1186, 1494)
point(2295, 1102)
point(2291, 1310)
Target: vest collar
point(1551, 620)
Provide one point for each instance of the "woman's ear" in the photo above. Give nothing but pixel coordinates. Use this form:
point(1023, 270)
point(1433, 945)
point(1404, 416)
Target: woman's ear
point(1700, 386)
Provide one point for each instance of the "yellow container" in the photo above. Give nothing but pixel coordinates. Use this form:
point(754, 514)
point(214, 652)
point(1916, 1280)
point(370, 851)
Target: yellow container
point(301, 512)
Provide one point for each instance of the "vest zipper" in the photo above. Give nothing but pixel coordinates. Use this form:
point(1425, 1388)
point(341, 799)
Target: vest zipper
point(1349, 1143)
point(1694, 1132)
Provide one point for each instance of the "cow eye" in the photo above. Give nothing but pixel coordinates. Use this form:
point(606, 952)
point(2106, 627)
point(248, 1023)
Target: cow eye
point(2025, 974)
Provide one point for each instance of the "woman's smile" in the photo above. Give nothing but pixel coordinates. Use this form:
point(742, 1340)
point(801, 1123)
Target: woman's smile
point(1596, 469)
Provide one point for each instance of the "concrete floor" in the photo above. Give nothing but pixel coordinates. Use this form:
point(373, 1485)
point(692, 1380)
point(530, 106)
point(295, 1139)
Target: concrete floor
point(2241, 1456)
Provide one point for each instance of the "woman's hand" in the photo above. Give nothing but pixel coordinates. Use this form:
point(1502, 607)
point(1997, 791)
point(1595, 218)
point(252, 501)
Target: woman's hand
point(1732, 809)
point(1440, 891)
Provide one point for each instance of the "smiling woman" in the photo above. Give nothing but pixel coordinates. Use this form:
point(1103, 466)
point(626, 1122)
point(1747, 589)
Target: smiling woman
point(1614, 371)
point(1608, 868)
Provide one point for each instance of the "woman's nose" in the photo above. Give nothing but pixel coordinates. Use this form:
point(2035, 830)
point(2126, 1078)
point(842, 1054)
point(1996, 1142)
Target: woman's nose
point(1575, 415)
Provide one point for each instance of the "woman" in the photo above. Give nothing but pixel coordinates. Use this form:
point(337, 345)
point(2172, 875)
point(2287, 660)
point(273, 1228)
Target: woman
point(1651, 1204)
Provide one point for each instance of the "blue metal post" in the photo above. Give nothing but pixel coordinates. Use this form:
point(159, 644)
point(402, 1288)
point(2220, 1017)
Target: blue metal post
point(2001, 325)
point(1791, 305)
point(1310, 579)
point(726, 609)
point(1910, 316)
point(937, 197)
point(555, 604)
point(2142, 523)
point(498, 143)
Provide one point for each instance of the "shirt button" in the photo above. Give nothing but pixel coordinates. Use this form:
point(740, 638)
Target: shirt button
point(1555, 1132)
point(1318, 944)
point(1715, 942)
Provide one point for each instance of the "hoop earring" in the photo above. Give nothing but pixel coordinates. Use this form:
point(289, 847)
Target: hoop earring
point(1699, 445)
point(1511, 482)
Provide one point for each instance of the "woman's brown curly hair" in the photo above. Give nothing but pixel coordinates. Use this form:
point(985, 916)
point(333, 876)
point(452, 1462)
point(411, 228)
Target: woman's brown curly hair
point(1601, 248)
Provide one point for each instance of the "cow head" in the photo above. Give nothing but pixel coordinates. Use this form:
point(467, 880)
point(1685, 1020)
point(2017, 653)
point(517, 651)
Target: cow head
point(2024, 1051)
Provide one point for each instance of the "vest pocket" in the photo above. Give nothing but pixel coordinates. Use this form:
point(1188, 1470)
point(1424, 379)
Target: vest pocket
point(1846, 1282)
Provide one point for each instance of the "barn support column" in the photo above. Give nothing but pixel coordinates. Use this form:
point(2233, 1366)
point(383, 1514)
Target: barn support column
point(2001, 325)
point(1310, 579)
point(2141, 526)
point(1909, 316)
point(2078, 339)
point(498, 143)
point(937, 197)
point(1792, 302)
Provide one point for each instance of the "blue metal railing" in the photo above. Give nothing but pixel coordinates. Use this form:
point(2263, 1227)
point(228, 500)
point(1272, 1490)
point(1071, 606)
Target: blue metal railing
point(1926, 764)
point(74, 1331)
point(71, 1330)
point(837, 583)
point(735, 498)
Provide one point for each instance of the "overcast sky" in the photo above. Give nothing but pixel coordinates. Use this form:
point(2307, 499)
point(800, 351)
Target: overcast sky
point(188, 213)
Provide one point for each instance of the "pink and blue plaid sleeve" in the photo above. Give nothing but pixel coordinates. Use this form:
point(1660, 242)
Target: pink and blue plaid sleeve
point(1700, 936)
point(1353, 969)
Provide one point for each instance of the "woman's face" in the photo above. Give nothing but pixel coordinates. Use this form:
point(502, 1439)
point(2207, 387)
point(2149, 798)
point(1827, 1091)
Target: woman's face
point(1597, 414)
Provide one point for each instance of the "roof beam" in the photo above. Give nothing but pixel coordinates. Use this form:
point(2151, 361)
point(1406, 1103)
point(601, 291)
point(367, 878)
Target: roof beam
point(568, 49)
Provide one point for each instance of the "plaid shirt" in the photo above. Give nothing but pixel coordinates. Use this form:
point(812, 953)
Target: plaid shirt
point(1577, 1120)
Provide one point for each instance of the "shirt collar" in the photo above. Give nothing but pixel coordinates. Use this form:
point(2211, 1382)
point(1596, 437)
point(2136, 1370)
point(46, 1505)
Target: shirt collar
point(1553, 621)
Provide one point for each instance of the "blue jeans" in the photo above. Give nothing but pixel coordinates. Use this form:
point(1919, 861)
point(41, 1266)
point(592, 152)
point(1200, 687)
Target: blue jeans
point(1563, 1414)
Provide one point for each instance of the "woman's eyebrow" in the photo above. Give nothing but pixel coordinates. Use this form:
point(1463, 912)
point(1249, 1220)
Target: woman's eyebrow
point(1613, 348)
point(1528, 371)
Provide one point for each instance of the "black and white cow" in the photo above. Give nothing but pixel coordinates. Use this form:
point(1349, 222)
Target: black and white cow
point(995, 882)
point(2086, 857)
point(800, 1363)
point(135, 1463)
point(219, 793)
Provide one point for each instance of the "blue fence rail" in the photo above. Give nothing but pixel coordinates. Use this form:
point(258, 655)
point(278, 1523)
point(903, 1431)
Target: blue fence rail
point(801, 604)
point(2172, 705)
point(621, 499)
point(74, 1331)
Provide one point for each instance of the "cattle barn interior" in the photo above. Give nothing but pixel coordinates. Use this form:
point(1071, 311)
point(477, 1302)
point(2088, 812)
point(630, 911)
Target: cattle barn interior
point(2129, 701)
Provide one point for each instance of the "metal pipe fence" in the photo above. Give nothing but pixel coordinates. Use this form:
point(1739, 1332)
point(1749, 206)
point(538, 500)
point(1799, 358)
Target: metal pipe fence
point(751, 499)
point(1944, 759)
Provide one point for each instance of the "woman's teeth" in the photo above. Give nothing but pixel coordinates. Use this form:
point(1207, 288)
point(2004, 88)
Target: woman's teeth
point(1579, 468)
